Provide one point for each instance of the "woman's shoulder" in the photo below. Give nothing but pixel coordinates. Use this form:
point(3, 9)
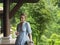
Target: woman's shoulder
point(27, 22)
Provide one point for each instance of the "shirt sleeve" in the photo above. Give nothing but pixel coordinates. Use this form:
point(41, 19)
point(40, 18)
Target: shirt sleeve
point(29, 28)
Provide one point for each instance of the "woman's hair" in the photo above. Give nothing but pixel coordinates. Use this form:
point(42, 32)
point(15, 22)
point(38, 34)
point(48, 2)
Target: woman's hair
point(22, 14)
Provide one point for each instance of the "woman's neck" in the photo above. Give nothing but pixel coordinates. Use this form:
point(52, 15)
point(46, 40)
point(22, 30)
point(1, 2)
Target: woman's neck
point(23, 21)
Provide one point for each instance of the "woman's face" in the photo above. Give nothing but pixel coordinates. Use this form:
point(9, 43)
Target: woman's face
point(22, 18)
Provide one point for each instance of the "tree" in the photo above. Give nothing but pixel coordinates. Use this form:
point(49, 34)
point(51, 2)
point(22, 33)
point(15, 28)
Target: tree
point(44, 18)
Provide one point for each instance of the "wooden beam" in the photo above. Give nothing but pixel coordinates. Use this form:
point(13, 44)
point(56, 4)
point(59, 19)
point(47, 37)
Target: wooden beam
point(30, 1)
point(16, 8)
point(1, 16)
point(18, 5)
point(15, 1)
point(1, 11)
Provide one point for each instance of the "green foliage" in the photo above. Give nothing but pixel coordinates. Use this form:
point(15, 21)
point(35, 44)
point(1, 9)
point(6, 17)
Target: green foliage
point(44, 18)
point(1, 5)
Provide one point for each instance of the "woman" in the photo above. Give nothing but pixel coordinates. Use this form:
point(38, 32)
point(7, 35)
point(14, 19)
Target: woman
point(23, 31)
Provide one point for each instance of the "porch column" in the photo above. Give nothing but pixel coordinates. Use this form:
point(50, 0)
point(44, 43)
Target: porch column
point(6, 23)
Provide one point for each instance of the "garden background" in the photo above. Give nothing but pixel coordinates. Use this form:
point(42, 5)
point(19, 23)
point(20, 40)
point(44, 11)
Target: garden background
point(44, 17)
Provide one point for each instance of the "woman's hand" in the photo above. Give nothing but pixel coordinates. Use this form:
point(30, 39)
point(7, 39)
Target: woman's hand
point(17, 33)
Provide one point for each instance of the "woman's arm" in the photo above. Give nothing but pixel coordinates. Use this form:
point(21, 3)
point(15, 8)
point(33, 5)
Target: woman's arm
point(30, 36)
point(29, 31)
point(17, 32)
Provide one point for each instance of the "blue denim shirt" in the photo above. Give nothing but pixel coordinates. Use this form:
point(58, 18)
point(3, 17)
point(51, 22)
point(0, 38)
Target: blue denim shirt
point(23, 34)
